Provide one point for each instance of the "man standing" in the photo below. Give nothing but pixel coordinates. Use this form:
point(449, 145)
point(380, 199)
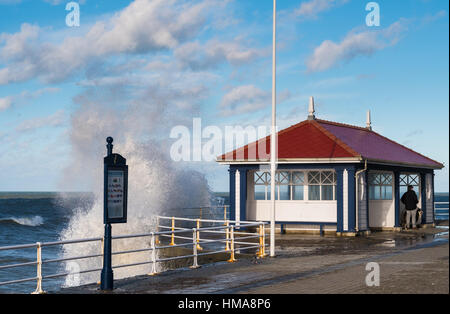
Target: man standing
point(410, 200)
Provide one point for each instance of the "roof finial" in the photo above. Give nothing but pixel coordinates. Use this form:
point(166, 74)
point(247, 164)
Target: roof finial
point(311, 110)
point(369, 121)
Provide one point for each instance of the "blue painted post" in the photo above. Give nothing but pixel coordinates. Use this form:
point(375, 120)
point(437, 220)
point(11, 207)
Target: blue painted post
point(232, 193)
point(423, 193)
point(367, 198)
point(351, 200)
point(432, 196)
point(397, 198)
point(339, 199)
point(243, 193)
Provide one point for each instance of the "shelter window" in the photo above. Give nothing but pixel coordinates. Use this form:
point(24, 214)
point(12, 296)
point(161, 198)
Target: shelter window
point(290, 185)
point(409, 179)
point(321, 185)
point(298, 182)
point(380, 186)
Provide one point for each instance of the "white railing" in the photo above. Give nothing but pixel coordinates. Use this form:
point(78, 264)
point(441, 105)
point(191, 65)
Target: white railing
point(227, 237)
point(440, 210)
point(204, 212)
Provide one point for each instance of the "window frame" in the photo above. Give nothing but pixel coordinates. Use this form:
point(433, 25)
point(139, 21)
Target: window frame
point(324, 177)
point(380, 184)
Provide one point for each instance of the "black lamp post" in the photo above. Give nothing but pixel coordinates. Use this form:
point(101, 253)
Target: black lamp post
point(115, 195)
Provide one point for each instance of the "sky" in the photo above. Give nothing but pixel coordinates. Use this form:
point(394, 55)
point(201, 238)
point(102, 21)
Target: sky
point(138, 69)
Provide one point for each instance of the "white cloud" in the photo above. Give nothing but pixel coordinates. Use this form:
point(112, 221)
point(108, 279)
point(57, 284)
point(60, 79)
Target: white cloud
point(17, 46)
point(248, 98)
point(57, 2)
point(145, 26)
point(24, 96)
point(310, 9)
point(365, 43)
point(56, 119)
point(197, 56)
point(243, 99)
point(5, 103)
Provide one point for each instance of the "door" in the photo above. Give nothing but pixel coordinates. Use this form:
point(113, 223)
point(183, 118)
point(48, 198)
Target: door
point(406, 179)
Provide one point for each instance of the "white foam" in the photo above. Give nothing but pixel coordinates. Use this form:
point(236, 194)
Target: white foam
point(26, 221)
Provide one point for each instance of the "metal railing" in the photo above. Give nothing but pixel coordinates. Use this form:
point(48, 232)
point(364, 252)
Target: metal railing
point(202, 212)
point(440, 211)
point(229, 234)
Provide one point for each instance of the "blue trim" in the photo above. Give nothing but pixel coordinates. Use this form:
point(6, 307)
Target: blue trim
point(339, 199)
point(432, 196)
point(243, 194)
point(367, 199)
point(423, 204)
point(244, 167)
point(351, 200)
point(397, 198)
point(400, 169)
point(315, 166)
point(232, 193)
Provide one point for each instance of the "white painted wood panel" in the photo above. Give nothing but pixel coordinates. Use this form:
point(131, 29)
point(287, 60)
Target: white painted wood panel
point(294, 211)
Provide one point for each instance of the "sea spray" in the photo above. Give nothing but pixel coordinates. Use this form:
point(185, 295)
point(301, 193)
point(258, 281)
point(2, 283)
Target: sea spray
point(139, 116)
point(155, 184)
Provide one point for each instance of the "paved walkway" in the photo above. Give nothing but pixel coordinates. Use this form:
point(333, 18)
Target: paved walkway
point(409, 262)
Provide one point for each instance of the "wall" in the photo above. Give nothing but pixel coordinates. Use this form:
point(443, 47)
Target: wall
point(381, 213)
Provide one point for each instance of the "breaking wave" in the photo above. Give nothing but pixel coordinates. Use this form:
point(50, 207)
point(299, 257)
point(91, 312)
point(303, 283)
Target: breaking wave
point(24, 221)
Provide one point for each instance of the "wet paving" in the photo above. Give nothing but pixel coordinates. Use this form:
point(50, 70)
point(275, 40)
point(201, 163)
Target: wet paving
point(298, 256)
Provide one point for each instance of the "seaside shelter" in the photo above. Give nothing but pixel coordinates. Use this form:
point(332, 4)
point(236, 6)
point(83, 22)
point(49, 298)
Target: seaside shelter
point(331, 177)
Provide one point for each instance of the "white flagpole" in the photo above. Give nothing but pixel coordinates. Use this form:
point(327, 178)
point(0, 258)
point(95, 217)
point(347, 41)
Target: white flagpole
point(273, 136)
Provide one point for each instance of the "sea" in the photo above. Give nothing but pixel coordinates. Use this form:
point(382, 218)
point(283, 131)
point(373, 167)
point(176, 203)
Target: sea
point(41, 217)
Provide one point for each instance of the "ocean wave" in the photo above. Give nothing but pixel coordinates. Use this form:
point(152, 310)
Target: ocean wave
point(24, 221)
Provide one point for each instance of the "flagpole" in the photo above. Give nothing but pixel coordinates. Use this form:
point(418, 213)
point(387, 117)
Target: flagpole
point(273, 136)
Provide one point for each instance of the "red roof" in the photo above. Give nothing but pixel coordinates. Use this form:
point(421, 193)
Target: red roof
point(320, 139)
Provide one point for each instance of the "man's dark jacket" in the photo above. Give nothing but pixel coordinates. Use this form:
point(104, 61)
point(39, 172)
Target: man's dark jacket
point(410, 200)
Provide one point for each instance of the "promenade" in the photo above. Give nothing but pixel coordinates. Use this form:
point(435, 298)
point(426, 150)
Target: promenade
point(409, 262)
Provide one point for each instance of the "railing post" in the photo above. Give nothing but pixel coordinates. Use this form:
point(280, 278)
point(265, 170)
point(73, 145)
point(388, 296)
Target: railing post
point(224, 213)
point(157, 229)
point(227, 232)
point(198, 236)
point(263, 226)
point(153, 244)
point(259, 252)
point(39, 269)
point(232, 259)
point(194, 248)
point(172, 241)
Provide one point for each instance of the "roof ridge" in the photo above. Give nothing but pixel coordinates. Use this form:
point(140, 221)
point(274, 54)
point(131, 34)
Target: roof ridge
point(344, 125)
point(335, 138)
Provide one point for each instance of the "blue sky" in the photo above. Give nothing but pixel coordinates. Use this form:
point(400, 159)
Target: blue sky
point(136, 69)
